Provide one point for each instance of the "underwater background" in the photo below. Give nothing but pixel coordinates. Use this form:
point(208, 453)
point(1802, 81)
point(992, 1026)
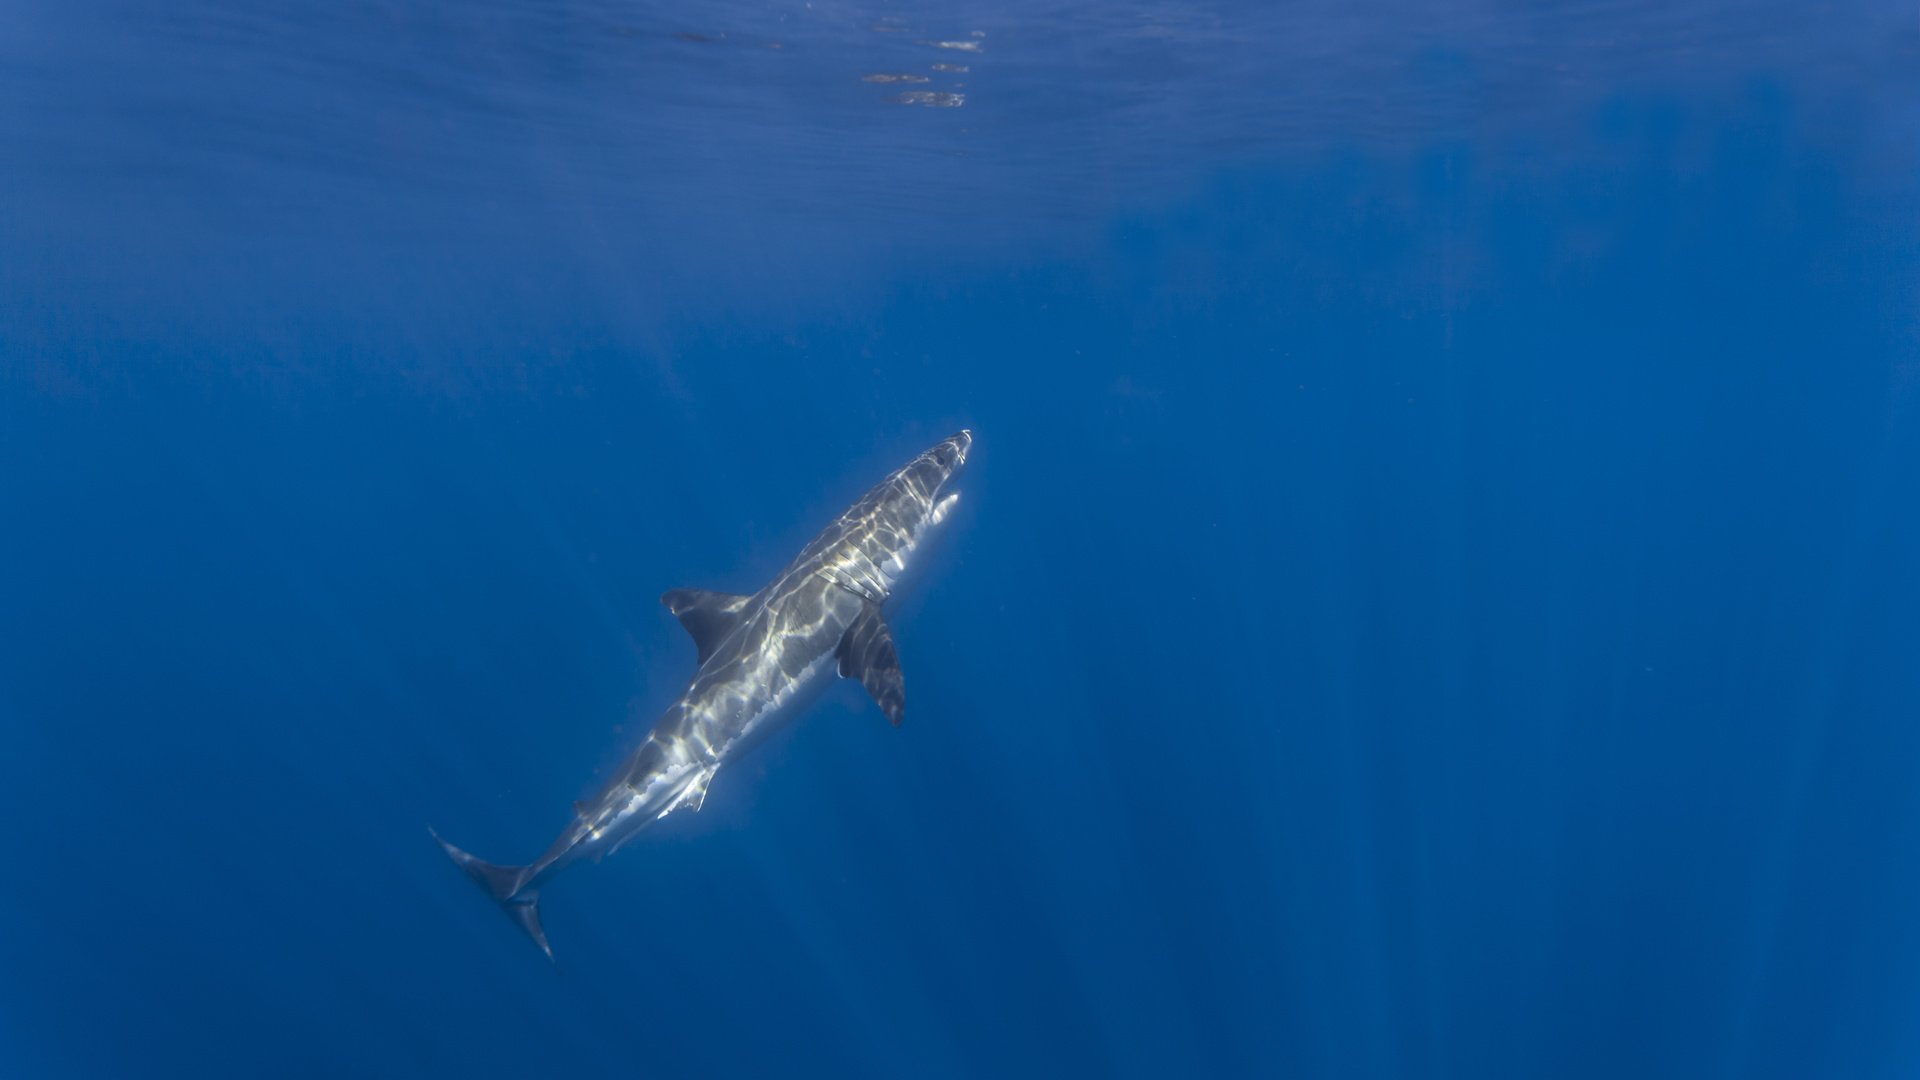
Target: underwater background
point(1437, 591)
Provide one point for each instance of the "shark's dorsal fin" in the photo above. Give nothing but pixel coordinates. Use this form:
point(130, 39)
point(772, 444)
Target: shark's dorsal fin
point(867, 653)
point(708, 616)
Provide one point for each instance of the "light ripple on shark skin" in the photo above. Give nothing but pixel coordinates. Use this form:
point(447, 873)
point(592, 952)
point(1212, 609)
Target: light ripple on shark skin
point(762, 658)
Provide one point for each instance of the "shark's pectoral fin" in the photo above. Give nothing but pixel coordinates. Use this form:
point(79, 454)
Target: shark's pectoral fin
point(867, 653)
point(708, 616)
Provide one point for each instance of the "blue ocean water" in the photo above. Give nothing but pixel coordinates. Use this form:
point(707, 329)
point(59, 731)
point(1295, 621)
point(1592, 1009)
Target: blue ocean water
point(1437, 589)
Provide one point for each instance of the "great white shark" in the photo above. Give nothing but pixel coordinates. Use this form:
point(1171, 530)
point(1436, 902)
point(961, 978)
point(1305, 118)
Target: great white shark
point(762, 659)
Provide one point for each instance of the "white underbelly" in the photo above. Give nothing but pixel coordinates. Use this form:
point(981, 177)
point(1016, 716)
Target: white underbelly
point(777, 709)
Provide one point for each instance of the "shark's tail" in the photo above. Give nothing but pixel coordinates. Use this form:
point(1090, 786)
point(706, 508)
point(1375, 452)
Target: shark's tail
point(503, 883)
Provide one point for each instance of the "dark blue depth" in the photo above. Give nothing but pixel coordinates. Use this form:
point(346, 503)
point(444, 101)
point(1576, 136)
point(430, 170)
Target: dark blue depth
point(1436, 594)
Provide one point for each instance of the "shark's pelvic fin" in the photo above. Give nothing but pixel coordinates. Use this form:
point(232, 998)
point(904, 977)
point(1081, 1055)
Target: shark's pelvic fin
point(867, 653)
point(708, 616)
point(503, 884)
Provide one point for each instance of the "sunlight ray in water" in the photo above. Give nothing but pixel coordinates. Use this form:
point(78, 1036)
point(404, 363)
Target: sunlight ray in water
point(1438, 596)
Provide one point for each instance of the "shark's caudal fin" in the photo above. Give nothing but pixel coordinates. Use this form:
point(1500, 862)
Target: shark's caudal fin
point(503, 884)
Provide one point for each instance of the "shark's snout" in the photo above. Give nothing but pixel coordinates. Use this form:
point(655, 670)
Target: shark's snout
point(937, 468)
point(951, 454)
